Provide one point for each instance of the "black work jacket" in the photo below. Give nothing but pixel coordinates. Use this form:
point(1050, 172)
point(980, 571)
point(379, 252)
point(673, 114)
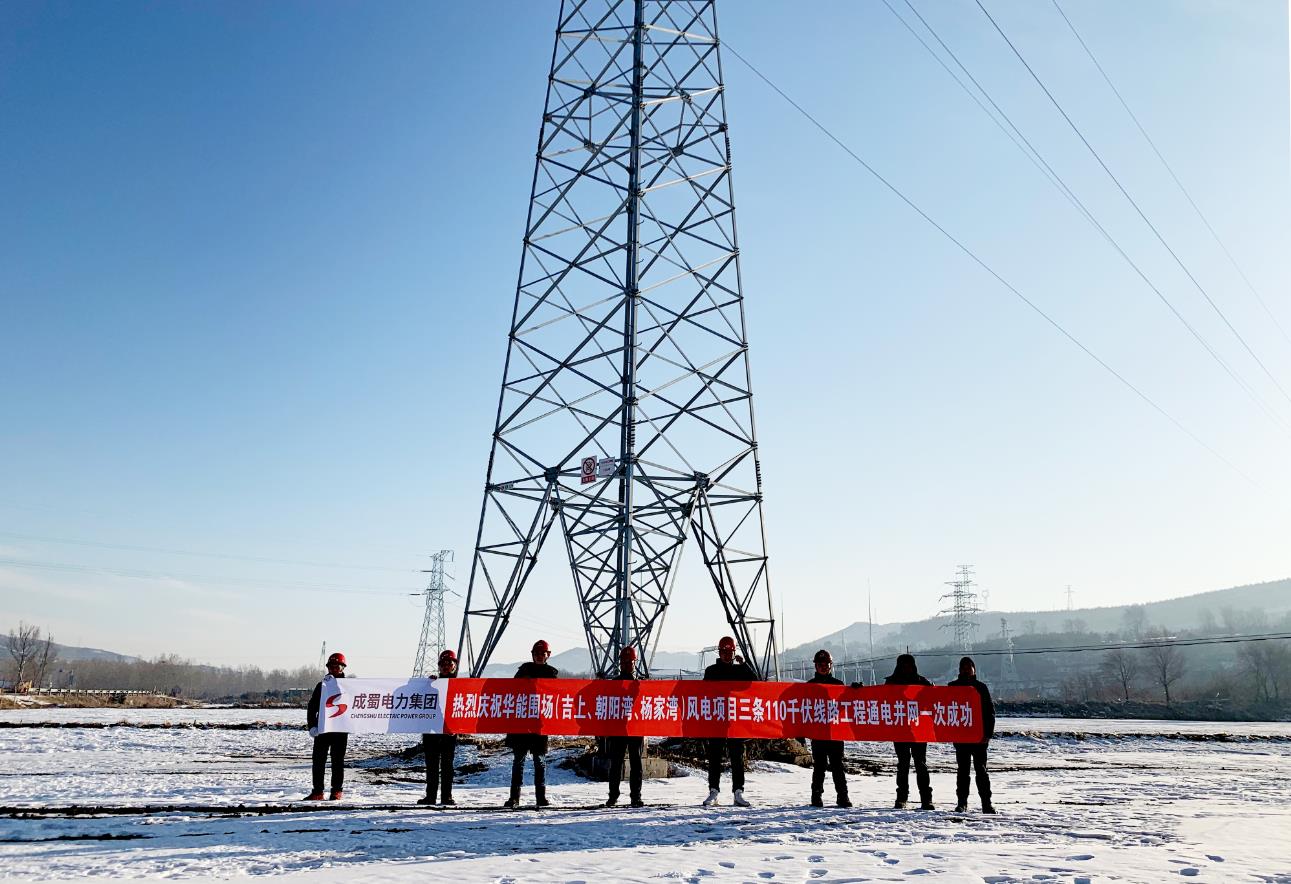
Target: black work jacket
point(720, 671)
point(988, 706)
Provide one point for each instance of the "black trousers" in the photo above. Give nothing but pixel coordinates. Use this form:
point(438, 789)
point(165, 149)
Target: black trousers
point(827, 753)
point(616, 746)
point(519, 750)
point(335, 745)
point(439, 749)
point(919, 753)
point(974, 754)
point(733, 748)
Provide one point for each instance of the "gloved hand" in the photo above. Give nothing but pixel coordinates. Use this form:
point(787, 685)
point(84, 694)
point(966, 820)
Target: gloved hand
point(313, 731)
point(858, 684)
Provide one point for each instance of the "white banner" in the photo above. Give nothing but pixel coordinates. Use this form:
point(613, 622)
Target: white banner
point(382, 705)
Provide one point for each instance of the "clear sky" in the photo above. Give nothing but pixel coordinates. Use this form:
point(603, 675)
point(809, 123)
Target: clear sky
point(257, 263)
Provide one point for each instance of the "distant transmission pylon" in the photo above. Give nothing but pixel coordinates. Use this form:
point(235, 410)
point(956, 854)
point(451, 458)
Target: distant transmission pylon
point(1070, 593)
point(433, 638)
point(322, 655)
point(962, 608)
point(625, 420)
point(1008, 670)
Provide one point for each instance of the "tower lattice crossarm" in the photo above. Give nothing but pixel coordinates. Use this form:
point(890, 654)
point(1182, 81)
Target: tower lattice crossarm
point(625, 420)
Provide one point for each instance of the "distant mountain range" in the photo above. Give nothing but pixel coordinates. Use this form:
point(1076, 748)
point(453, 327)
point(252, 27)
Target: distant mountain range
point(70, 652)
point(853, 642)
point(1186, 612)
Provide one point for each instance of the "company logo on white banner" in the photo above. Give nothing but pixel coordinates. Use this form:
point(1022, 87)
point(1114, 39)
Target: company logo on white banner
point(382, 706)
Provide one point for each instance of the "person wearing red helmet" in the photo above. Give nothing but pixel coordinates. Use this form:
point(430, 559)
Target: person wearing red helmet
point(531, 744)
point(327, 744)
point(616, 746)
point(827, 753)
point(439, 749)
point(727, 669)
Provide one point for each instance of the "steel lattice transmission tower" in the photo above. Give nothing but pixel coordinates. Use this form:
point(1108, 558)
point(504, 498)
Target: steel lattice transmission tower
point(1008, 668)
point(962, 608)
point(625, 421)
point(433, 637)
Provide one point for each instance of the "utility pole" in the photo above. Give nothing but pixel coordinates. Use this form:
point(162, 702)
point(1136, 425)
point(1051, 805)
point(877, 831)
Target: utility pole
point(625, 418)
point(433, 639)
point(962, 609)
point(874, 678)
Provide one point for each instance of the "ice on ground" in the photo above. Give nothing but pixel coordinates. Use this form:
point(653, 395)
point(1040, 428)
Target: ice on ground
point(1101, 806)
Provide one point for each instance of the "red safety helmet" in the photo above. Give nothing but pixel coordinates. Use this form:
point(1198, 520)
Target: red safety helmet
point(823, 656)
point(541, 647)
point(628, 655)
point(448, 655)
point(338, 658)
point(726, 643)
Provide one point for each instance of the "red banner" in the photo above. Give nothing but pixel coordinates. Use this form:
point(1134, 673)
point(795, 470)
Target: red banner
point(755, 710)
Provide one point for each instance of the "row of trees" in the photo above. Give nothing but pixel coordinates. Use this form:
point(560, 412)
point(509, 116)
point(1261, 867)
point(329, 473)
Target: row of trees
point(1240, 669)
point(173, 675)
point(1260, 671)
point(1161, 662)
point(32, 660)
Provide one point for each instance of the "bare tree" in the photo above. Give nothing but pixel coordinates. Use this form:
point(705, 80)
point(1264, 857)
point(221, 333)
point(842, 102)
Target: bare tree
point(46, 656)
point(1136, 618)
point(1269, 666)
point(23, 648)
point(1165, 661)
point(1209, 625)
point(1122, 667)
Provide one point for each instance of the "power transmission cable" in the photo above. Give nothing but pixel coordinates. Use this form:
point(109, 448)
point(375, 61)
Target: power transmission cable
point(1161, 239)
point(1152, 144)
point(1075, 201)
point(982, 263)
point(1018, 139)
point(231, 581)
point(1107, 646)
point(209, 555)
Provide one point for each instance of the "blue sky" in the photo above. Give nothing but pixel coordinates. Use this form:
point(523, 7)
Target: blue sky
point(257, 263)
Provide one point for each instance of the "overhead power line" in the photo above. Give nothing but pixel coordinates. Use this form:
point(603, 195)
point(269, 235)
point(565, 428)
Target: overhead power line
point(982, 263)
point(1119, 186)
point(1107, 646)
point(1032, 153)
point(207, 555)
point(1188, 196)
point(309, 586)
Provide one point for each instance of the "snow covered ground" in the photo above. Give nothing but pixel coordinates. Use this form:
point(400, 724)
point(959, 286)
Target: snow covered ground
point(1078, 800)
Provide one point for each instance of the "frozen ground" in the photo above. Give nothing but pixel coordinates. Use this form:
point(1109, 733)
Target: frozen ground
point(1079, 801)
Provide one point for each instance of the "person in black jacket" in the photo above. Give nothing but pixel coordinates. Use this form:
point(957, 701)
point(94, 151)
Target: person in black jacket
point(827, 752)
point(439, 749)
point(907, 672)
point(726, 669)
point(325, 744)
point(531, 744)
point(616, 746)
point(974, 752)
